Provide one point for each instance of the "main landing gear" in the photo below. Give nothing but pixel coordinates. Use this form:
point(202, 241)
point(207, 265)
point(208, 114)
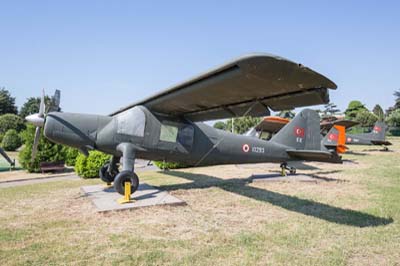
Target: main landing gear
point(285, 167)
point(109, 172)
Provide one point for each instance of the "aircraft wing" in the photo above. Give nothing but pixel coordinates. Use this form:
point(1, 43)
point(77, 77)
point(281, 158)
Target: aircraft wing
point(327, 125)
point(272, 124)
point(249, 85)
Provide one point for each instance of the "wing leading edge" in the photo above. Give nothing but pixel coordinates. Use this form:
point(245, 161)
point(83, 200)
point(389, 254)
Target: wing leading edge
point(249, 85)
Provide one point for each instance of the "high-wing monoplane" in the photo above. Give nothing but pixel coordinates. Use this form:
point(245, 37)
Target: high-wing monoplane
point(376, 137)
point(167, 126)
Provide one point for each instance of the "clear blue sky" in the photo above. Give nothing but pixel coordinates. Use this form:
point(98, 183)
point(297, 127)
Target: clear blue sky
point(106, 54)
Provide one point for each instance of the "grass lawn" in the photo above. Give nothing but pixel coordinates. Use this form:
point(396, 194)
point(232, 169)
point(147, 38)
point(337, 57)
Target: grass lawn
point(349, 216)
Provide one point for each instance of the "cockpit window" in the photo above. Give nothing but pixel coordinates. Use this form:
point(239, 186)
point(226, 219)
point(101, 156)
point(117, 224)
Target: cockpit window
point(168, 133)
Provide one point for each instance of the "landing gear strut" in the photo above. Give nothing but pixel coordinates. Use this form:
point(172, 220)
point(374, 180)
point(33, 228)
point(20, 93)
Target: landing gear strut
point(285, 167)
point(127, 175)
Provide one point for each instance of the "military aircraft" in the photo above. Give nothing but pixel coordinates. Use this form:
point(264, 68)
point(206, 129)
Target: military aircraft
point(271, 125)
point(375, 137)
point(268, 126)
point(167, 126)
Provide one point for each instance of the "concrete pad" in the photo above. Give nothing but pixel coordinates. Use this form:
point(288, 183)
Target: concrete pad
point(279, 178)
point(105, 199)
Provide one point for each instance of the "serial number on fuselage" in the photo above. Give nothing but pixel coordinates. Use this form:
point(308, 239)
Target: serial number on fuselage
point(258, 149)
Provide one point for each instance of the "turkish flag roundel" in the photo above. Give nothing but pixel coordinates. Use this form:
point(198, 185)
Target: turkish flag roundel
point(299, 132)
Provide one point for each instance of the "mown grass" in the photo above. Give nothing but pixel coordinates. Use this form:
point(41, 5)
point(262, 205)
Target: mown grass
point(349, 218)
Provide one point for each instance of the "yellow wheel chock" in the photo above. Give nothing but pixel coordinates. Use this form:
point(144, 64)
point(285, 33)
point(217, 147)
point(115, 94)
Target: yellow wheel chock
point(127, 196)
point(283, 171)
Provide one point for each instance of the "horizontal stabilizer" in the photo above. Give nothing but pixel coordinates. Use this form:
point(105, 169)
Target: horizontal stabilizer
point(320, 156)
point(381, 142)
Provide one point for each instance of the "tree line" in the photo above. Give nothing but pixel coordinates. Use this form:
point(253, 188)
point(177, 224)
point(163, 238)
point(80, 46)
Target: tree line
point(355, 111)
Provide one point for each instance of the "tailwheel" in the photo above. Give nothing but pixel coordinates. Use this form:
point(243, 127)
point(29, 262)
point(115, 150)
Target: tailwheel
point(106, 175)
point(385, 148)
point(285, 167)
point(122, 178)
point(292, 170)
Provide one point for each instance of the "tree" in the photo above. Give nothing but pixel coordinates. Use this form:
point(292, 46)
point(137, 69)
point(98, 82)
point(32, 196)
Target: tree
point(394, 118)
point(397, 95)
point(31, 106)
point(366, 118)
point(7, 103)
point(11, 121)
point(220, 125)
point(353, 109)
point(289, 114)
point(330, 109)
point(242, 124)
point(378, 111)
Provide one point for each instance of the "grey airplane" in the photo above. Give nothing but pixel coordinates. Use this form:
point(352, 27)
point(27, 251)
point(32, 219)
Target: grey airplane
point(169, 125)
point(375, 137)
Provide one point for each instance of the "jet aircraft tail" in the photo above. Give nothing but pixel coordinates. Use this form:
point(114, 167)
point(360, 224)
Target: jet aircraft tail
point(304, 141)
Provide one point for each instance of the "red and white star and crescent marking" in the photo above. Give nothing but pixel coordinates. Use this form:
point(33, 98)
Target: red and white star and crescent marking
point(299, 132)
point(333, 137)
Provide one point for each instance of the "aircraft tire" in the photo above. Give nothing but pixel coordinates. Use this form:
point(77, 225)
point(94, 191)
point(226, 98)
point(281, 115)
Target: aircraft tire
point(126, 176)
point(292, 170)
point(105, 176)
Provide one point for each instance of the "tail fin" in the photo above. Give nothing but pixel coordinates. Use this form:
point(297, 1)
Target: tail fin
point(302, 133)
point(336, 139)
point(379, 131)
point(303, 139)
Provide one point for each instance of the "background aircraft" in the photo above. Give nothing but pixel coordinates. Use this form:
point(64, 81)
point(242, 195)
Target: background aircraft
point(271, 125)
point(376, 137)
point(167, 126)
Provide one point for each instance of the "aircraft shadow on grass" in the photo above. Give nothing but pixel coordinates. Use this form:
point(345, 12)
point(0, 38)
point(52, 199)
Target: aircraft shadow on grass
point(291, 203)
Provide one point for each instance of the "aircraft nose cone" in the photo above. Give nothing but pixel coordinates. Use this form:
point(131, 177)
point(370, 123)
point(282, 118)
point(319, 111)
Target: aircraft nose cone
point(35, 119)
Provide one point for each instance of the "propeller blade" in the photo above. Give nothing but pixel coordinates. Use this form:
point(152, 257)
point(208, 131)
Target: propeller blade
point(42, 105)
point(56, 100)
point(35, 143)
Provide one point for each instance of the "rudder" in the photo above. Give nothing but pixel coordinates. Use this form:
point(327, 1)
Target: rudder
point(302, 133)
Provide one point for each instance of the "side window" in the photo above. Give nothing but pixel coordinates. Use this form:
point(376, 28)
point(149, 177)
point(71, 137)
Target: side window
point(168, 133)
point(185, 136)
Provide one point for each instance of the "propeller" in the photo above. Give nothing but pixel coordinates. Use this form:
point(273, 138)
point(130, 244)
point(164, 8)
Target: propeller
point(38, 119)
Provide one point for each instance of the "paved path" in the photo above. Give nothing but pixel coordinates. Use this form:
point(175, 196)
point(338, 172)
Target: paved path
point(23, 182)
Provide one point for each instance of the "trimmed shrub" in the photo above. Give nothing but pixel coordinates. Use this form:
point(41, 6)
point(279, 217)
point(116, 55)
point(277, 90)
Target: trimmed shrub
point(169, 165)
point(47, 151)
point(88, 167)
point(11, 140)
point(71, 155)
